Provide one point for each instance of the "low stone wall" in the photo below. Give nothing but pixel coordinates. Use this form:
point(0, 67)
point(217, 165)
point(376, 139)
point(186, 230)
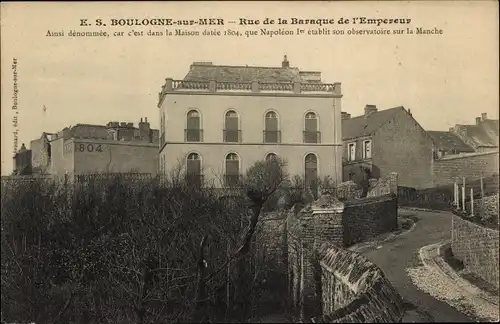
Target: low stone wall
point(487, 207)
point(477, 247)
point(367, 218)
point(354, 290)
point(383, 186)
point(340, 223)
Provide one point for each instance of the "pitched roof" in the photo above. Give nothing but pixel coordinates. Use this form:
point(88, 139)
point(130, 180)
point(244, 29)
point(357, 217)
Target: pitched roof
point(479, 135)
point(363, 126)
point(447, 141)
point(227, 73)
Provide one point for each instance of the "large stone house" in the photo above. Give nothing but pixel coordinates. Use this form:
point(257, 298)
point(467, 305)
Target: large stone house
point(219, 120)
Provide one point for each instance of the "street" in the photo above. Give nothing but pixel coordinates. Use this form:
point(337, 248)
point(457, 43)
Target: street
point(393, 257)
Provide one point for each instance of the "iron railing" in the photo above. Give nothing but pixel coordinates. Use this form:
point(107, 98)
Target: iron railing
point(193, 135)
point(312, 137)
point(231, 136)
point(272, 136)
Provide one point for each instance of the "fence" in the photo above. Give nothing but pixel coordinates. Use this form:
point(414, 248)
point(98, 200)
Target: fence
point(443, 197)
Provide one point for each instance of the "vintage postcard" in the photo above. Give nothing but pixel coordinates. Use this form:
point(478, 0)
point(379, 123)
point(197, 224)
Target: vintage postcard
point(250, 161)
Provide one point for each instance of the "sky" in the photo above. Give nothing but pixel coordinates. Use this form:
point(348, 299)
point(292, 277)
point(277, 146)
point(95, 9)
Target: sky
point(444, 79)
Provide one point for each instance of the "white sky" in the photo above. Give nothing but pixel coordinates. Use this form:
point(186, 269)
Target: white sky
point(444, 80)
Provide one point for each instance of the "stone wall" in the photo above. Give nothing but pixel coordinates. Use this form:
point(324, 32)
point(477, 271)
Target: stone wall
point(471, 166)
point(477, 247)
point(354, 290)
point(367, 218)
point(487, 207)
point(341, 223)
point(307, 229)
point(383, 186)
point(270, 238)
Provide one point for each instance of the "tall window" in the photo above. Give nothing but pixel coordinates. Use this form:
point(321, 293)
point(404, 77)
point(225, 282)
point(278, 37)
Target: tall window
point(271, 133)
point(311, 133)
point(367, 149)
point(232, 169)
point(193, 169)
point(193, 127)
point(311, 170)
point(231, 127)
point(351, 152)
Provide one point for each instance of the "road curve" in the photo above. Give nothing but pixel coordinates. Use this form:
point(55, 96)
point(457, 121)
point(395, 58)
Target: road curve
point(394, 256)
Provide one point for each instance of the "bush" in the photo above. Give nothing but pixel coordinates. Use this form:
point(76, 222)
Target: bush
point(114, 250)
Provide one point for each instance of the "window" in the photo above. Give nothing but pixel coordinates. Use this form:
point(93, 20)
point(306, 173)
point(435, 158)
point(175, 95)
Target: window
point(271, 156)
point(351, 152)
point(367, 149)
point(232, 169)
point(311, 133)
point(311, 170)
point(193, 169)
point(193, 127)
point(271, 132)
point(231, 131)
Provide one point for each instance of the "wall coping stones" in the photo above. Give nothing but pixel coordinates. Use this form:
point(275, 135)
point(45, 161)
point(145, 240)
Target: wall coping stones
point(376, 299)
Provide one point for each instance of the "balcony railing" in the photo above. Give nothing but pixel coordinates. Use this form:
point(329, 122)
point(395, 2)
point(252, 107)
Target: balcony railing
point(272, 136)
point(231, 136)
point(172, 85)
point(194, 179)
point(231, 180)
point(193, 135)
point(312, 137)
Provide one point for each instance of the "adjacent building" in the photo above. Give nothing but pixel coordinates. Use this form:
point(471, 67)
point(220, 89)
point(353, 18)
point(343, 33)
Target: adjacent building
point(448, 143)
point(22, 161)
point(218, 120)
point(482, 136)
point(466, 151)
point(380, 142)
point(84, 148)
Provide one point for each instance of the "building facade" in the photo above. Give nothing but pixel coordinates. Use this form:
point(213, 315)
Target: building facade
point(22, 161)
point(219, 120)
point(380, 142)
point(117, 147)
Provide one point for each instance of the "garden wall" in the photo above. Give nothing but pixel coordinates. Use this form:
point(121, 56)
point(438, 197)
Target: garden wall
point(477, 247)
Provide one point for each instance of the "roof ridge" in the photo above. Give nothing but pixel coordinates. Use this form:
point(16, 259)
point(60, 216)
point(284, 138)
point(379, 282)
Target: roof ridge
point(251, 66)
point(377, 112)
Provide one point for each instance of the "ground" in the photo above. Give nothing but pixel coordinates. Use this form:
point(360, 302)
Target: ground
point(395, 256)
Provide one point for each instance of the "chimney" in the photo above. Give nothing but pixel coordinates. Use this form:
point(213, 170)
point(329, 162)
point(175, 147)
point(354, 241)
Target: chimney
point(484, 116)
point(478, 120)
point(409, 112)
point(370, 109)
point(285, 63)
point(345, 115)
point(144, 128)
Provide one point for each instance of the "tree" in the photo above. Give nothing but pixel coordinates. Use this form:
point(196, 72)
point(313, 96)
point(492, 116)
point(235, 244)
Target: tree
point(261, 181)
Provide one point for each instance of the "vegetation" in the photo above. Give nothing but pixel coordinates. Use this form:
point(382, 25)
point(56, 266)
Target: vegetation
point(116, 250)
